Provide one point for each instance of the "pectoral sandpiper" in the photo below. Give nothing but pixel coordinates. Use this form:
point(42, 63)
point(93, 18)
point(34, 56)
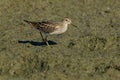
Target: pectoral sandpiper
point(50, 28)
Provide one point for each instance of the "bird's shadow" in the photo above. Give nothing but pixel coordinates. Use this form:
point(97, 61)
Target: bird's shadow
point(36, 43)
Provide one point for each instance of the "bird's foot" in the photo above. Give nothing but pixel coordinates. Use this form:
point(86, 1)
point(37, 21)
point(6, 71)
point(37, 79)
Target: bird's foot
point(46, 42)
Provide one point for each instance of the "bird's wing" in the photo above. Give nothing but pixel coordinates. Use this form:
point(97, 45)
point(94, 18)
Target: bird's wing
point(44, 26)
point(47, 26)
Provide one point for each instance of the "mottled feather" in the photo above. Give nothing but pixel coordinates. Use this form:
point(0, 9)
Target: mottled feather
point(44, 26)
point(49, 27)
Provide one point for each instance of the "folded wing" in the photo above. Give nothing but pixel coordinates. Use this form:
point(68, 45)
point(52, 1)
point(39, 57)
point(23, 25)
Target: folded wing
point(44, 26)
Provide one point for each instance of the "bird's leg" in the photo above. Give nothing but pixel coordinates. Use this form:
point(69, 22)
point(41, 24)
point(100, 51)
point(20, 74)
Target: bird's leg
point(46, 41)
point(42, 36)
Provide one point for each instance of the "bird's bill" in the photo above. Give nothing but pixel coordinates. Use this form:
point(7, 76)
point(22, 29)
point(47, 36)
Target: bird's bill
point(74, 25)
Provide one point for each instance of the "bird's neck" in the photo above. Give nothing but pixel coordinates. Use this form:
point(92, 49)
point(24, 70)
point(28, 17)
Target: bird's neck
point(65, 27)
point(65, 24)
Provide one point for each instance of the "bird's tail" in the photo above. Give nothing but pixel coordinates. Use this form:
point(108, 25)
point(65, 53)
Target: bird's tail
point(28, 21)
point(31, 22)
point(34, 24)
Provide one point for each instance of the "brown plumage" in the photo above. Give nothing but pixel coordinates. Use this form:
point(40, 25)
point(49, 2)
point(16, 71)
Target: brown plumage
point(44, 26)
point(49, 28)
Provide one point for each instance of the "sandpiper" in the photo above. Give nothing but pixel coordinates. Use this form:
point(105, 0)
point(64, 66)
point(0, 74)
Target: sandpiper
point(50, 28)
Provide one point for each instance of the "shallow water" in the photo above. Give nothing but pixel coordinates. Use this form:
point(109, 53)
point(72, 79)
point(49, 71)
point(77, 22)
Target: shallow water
point(89, 50)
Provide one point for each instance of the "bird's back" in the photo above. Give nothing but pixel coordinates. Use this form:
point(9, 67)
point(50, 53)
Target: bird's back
point(44, 26)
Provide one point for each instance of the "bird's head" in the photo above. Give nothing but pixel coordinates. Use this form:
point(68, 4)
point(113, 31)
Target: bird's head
point(67, 21)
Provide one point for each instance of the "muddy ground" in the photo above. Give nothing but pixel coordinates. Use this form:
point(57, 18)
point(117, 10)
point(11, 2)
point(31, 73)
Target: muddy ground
point(88, 51)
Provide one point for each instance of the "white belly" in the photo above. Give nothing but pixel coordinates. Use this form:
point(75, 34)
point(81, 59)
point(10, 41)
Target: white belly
point(60, 30)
